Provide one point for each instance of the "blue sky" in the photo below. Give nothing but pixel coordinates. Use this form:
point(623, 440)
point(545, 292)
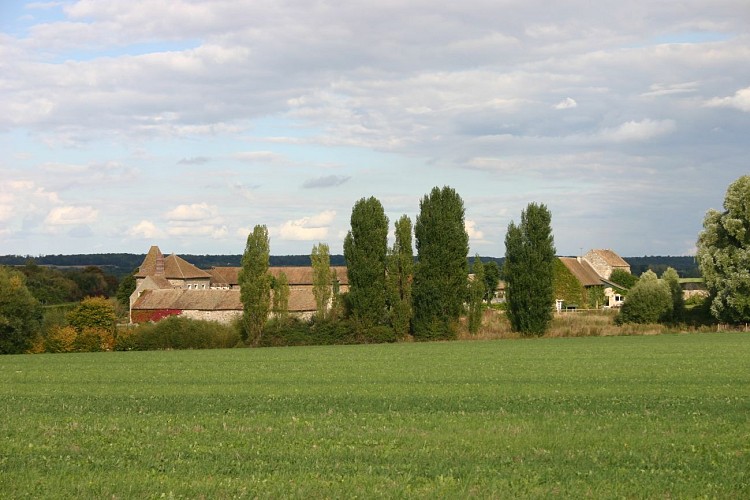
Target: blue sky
point(185, 123)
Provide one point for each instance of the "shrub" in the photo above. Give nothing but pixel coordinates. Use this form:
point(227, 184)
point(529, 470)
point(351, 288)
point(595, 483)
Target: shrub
point(177, 332)
point(649, 301)
point(93, 312)
point(94, 340)
point(379, 335)
point(61, 339)
point(127, 339)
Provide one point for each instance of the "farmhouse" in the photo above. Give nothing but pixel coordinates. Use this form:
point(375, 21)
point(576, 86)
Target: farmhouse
point(167, 286)
point(584, 281)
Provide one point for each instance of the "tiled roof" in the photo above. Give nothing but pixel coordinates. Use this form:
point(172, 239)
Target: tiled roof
point(148, 267)
point(175, 267)
point(201, 300)
point(300, 300)
point(161, 282)
point(611, 258)
point(295, 275)
point(582, 271)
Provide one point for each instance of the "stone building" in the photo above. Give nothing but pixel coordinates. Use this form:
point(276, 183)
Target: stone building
point(167, 286)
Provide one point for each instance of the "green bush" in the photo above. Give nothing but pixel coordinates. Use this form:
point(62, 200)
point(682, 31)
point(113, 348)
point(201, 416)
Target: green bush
point(379, 335)
point(290, 331)
point(176, 332)
point(649, 301)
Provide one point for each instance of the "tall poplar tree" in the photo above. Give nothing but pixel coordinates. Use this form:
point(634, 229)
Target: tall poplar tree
point(365, 251)
point(281, 296)
point(400, 275)
point(321, 265)
point(439, 289)
point(477, 288)
point(529, 270)
point(255, 284)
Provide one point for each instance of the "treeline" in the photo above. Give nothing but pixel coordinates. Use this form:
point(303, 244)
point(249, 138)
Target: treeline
point(122, 264)
point(50, 285)
point(687, 267)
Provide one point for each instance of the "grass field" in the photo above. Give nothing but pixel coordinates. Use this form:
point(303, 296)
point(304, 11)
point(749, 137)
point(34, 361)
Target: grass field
point(647, 416)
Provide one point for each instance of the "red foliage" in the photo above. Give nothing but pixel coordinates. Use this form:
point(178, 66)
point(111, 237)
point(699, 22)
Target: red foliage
point(154, 315)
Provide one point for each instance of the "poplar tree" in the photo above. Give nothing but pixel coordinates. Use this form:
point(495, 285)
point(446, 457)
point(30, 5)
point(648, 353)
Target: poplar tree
point(439, 289)
point(321, 267)
point(281, 296)
point(255, 284)
point(529, 270)
point(365, 251)
point(477, 288)
point(400, 275)
point(672, 279)
point(491, 279)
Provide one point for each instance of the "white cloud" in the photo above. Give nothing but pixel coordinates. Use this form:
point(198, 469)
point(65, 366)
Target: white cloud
point(199, 231)
point(644, 130)
point(109, 97)
point(193, 212)
point(567, 103)
point(25, 198)
point(740, 100)
point(664, 89)
point(145, 229)
point(307, 228)
point(71, 215)
point(259, 157)
point(472, 231)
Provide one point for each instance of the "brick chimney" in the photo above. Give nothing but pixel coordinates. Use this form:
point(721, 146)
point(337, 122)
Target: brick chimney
point(159, 265)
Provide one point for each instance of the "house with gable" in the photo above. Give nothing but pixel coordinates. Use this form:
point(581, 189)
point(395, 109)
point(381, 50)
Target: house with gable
point(583, 282)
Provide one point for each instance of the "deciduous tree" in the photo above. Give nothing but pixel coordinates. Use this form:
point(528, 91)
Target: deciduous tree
point(255, 284)
point(623, 278)
point(93, 312)
point(439, 289)
point(365, 250)
point(724, 254)
point(126, 289)
point(20, 313)
point(529, 270)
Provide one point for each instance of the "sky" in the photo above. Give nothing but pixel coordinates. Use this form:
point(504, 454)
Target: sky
point(185, 123)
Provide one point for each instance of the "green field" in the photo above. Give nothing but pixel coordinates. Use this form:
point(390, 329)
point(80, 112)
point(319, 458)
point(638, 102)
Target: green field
point(656, 416)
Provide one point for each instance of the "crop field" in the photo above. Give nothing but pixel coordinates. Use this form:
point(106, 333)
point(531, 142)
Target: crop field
point(642, 416)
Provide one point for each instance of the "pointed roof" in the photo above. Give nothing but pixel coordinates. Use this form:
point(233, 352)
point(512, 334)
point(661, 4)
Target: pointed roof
point(148, 267)
point(175, 267)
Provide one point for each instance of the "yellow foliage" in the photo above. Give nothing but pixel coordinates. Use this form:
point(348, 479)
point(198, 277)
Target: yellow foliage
point(61, 339)
point(37, 346)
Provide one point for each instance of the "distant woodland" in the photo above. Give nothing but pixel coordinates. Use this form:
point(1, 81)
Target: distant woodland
point(122, 264)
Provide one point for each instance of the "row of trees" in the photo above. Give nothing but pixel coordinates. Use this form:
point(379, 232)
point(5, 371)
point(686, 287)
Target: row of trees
point(426, 299)
point(387, 289)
